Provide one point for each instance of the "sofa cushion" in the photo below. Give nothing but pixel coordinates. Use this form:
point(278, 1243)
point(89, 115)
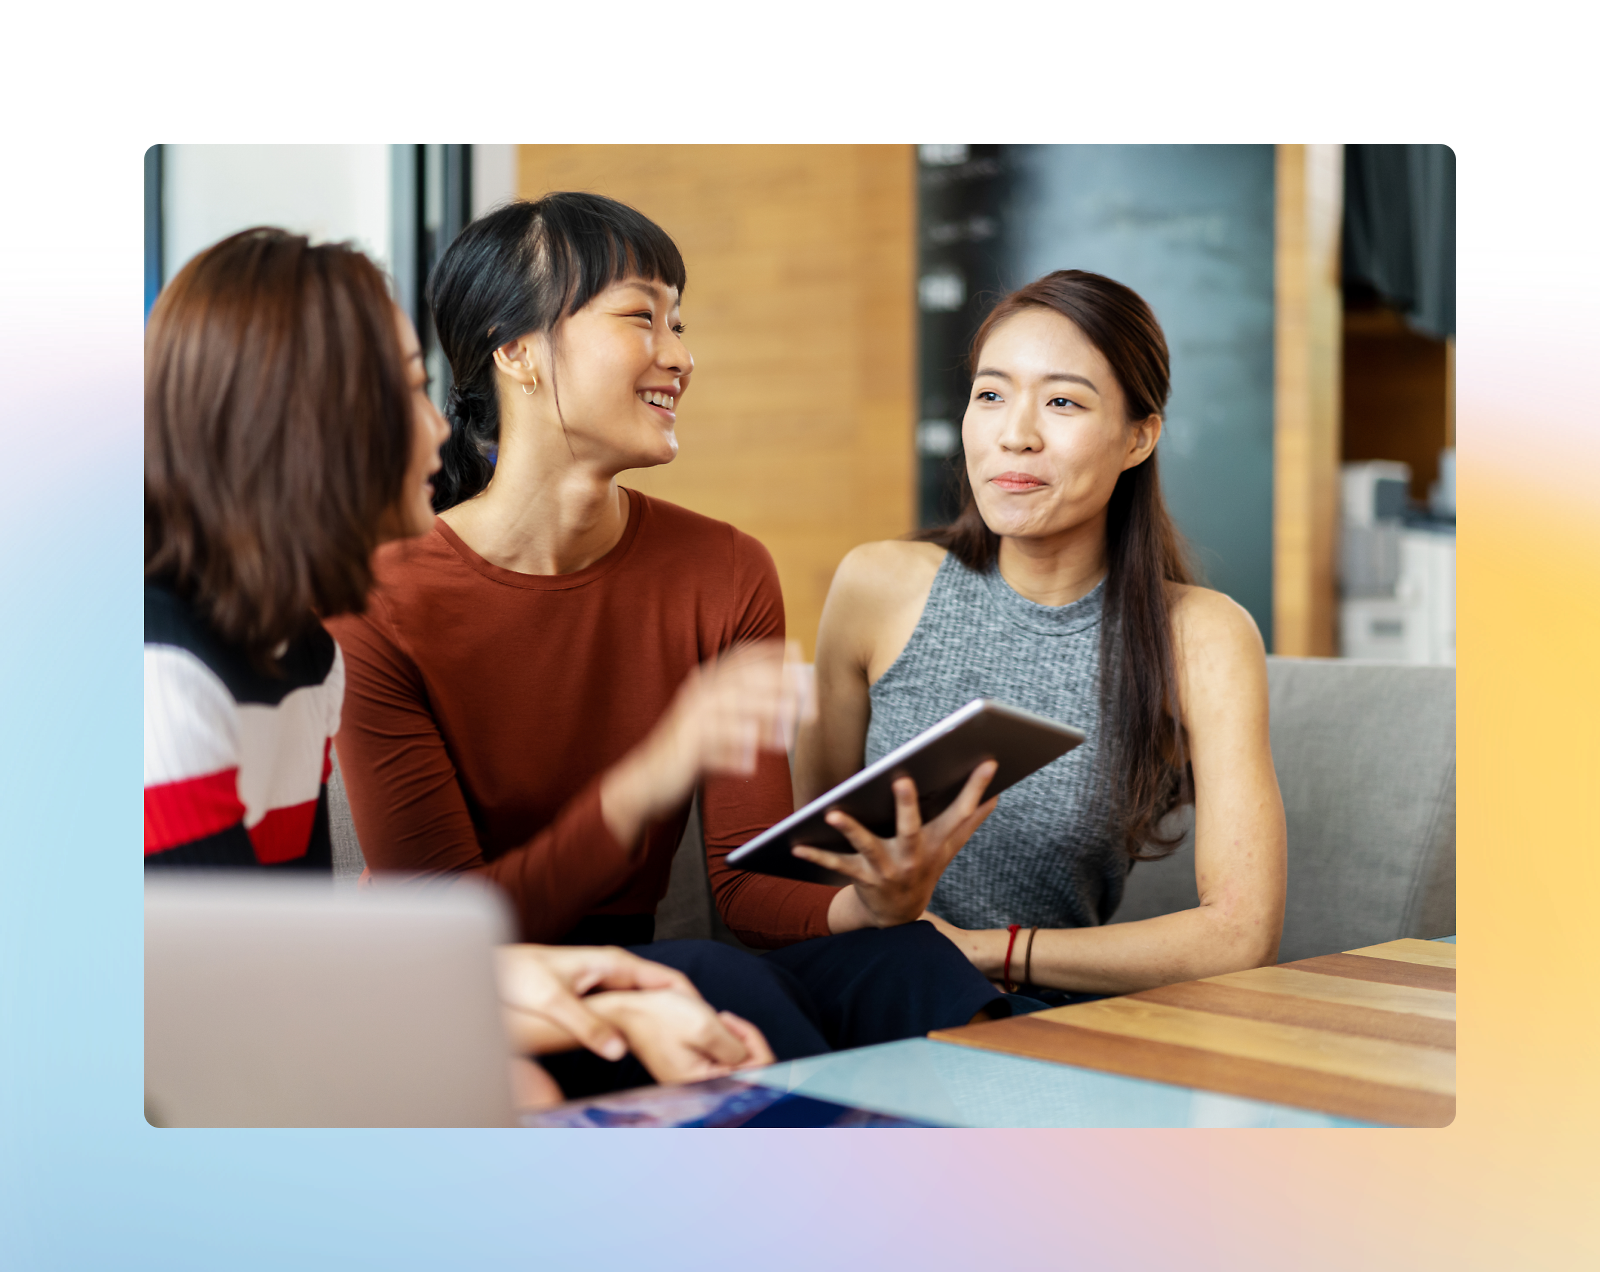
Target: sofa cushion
point(1365, 754)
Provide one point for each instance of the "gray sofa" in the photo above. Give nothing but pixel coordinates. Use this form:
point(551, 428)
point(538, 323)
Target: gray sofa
point(1365, 754)
point(1366, 760)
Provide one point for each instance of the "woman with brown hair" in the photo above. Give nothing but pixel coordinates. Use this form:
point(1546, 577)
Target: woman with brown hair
point(1062, 588)
point(289, 433)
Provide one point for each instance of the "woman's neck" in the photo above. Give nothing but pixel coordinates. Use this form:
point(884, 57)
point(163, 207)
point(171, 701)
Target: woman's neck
point(1059, 569)
point(542, 513)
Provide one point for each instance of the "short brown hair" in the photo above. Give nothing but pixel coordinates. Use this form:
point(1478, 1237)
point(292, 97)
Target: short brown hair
point(277, 433)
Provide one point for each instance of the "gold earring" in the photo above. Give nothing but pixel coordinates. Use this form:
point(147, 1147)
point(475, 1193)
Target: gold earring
point(527, 389)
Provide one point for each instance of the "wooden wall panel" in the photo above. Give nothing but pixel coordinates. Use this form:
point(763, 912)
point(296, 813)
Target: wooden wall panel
point(1306, 391)
point(800, 308)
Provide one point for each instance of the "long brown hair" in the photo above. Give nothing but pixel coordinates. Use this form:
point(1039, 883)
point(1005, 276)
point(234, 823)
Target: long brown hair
point(277, 433)
point(1143, 758)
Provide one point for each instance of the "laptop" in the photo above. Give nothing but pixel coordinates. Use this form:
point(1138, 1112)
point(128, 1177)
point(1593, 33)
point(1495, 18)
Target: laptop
point(287, 1002)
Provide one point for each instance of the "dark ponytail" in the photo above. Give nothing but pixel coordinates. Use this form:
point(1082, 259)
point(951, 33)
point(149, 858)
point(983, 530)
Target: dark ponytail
point(1143, 758)
point(519, 270)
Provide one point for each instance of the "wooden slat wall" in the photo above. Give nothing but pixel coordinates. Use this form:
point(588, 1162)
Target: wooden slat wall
point(1306, 434)
point(798, 427)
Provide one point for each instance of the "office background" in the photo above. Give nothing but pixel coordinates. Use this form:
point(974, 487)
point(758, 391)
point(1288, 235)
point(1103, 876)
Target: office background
point(833, 291)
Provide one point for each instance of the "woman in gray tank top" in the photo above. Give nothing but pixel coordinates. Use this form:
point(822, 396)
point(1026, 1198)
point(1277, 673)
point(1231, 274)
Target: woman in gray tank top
point(1063, 588)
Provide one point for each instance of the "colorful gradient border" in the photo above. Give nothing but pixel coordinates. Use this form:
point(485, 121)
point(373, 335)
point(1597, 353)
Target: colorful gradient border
point(86, 1184)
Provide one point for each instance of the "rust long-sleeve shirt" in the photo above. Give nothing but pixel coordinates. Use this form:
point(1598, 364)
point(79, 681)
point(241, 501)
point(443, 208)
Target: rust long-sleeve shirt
point(483, 705)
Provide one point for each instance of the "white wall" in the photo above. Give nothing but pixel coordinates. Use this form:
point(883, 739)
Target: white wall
point(494, 177)
point(331, 193)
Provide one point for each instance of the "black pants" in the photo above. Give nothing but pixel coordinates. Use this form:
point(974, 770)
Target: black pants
point(1032, 998)
point(829, 993)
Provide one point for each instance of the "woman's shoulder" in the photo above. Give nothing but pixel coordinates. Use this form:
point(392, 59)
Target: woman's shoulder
point(178, 635)
point(685, 528)
point(412, 584)
point(697, 564)
point(419, 573)
point(890, 570)
point(877, 597)
point(401, 559)
point(1204, 619)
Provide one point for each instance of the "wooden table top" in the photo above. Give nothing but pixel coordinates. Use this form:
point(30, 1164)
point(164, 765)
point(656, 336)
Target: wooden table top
point(1369, 1034)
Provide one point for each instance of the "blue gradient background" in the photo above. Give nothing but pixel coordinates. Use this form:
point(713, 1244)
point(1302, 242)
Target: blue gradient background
point(86, 1184)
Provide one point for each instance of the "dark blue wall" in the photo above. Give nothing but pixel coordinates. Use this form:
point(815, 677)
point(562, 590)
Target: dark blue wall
point(1191, 229)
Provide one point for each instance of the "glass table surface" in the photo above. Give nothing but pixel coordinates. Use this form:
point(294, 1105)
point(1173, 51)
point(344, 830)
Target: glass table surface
point(954, 1085)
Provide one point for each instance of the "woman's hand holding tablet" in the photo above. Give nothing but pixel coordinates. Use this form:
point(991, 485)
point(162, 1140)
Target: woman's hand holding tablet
point(885, 834)
point(894, 878)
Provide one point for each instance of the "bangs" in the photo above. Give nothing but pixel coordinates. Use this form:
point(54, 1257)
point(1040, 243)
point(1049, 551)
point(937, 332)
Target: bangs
point(594, 243)
point(518, 270)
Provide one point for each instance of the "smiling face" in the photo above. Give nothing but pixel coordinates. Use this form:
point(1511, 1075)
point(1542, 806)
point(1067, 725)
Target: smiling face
point(621, 370)
point(1046, 432)
point(412, 513)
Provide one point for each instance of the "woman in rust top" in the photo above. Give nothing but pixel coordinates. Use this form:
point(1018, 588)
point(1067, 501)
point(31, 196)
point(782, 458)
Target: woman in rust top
point(541, 683)
point(288, 432)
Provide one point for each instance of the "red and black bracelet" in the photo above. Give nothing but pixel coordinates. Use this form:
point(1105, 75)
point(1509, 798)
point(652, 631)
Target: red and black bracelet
point(1005, 976)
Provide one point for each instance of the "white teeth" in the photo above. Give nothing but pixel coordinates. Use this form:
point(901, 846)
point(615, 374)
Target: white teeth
point(658, 399)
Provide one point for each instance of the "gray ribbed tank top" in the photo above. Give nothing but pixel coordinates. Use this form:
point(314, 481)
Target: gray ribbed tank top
point(1044, 857)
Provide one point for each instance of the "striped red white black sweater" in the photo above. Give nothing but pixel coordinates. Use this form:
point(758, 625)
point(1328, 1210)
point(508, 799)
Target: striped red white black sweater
point(236, 761)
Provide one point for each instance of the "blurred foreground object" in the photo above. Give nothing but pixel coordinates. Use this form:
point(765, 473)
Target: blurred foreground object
point(272, 1002)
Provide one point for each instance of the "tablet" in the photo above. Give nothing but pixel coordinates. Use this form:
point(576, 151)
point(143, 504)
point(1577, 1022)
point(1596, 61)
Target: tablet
point(939, 761)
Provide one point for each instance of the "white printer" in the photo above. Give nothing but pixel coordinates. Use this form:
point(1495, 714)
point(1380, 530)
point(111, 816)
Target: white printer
point(1397, 566)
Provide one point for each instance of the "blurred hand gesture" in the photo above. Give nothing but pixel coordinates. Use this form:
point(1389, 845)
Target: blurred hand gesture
point(727, 711)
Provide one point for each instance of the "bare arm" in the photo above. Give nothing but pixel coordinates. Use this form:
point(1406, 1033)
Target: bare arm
point(1240, 841)
point(829, 749)
point(877, 597)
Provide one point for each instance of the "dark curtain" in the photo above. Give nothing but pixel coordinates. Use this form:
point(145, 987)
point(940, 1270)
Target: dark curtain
point(1400, 231)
